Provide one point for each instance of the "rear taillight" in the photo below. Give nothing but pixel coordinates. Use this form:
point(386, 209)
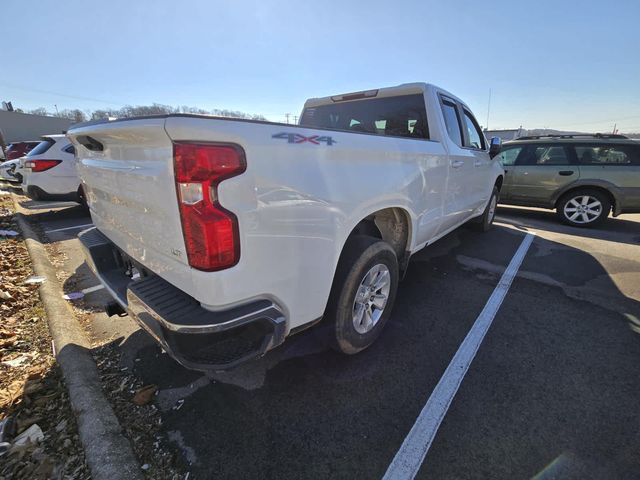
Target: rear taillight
point(41, 165)
point(210, 232)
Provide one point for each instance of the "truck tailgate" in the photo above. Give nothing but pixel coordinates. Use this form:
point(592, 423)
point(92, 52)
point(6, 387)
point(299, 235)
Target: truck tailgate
point(129, 181)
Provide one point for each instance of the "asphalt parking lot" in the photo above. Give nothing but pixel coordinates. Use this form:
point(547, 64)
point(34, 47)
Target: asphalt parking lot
point(551, 393)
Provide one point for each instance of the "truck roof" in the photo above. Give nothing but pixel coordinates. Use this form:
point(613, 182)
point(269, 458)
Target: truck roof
point(402, 89)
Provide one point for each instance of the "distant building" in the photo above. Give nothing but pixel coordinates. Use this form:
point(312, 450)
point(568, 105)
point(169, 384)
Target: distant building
point(505, 135)
point(18, 127)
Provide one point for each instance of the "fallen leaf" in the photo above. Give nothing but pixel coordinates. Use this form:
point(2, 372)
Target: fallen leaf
point(7, 333)
point(33, 386)
point(145, 394)
point(7, 342)
point(10, 393)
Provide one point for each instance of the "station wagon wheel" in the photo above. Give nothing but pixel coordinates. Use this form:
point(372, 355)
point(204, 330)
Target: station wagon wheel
point(584, 208)
point(362, 294)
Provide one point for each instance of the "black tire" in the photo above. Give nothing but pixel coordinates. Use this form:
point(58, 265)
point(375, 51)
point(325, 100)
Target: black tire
point(484, 222)
point(35, 194)
point(82, 198)
point(361, 254)
point(568, 208)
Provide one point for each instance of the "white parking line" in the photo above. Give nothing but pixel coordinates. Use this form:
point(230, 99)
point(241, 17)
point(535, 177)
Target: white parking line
point(407, 462)
point(92, 289)
point(43, 205)
point(69, 228)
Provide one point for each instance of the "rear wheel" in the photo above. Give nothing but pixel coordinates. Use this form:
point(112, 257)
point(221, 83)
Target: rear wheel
point(363, 293)
point(584, 208)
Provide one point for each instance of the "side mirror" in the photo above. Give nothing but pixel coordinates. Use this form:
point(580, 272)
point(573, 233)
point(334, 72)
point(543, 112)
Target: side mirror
point(495, 146)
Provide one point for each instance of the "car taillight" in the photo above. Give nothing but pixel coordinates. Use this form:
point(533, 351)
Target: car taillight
point(41, 165)
point(210, 232)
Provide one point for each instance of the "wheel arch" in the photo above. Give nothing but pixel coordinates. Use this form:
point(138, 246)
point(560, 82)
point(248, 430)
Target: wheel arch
point(603, 187)
point(499, 182)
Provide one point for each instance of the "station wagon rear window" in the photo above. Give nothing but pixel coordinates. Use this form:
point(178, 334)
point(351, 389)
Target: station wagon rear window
point(401, 116)
point(600, 154)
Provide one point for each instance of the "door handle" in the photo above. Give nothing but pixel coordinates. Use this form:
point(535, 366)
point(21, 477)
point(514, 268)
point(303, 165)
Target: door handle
point(457, 163)
point(566, 173)
point(477, 163)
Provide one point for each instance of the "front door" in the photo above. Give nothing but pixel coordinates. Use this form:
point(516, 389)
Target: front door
point(458, 201)
point(507, 159)
point(540, 171)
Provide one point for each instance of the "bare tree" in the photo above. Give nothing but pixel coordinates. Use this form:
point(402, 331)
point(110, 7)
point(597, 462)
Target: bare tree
point(128, 111)
point(38, 111)
point(75, 115)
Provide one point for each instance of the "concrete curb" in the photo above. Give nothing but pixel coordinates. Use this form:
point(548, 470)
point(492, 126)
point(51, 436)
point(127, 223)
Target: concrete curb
point(107, 451)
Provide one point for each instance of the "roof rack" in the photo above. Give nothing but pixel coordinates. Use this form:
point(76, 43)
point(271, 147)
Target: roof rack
point(577, 135)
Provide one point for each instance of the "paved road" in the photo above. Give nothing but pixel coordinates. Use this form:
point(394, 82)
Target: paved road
point(551, 393)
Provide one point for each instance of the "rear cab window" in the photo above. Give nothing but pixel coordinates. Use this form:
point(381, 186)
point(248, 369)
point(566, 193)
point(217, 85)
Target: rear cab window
point(400, 116)
point(41, 148)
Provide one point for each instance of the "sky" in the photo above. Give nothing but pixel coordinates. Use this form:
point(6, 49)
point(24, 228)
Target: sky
point(560, 64)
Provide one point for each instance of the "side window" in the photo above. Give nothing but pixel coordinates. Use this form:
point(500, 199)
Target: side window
point(608, 154)
point(545, 155)
point(476, 137)
point(452, 121)
point(507, 156)
point(70, 149)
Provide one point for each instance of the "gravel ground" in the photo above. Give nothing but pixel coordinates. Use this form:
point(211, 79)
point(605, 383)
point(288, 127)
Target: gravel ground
point(33, 397)
point(131, 400)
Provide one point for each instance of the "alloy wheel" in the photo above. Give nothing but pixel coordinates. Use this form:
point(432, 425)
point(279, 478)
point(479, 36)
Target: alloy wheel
point(371, 298)
point(583, 209)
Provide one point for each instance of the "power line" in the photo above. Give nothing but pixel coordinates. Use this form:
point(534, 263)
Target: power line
point(58, 94)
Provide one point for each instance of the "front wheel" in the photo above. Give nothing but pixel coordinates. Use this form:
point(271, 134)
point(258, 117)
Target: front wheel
point(584, 208)
point(82, 197)
point(363, 293)
point(485, 221)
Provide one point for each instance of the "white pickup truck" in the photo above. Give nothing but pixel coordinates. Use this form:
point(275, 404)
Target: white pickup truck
point(224, 236)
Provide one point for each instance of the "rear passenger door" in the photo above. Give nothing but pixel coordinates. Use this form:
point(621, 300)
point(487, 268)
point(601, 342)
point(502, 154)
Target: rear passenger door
point(540, 171)
point(617, 164)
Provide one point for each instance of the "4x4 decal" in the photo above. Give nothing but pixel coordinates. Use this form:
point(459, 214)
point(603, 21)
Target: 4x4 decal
point(297, 138)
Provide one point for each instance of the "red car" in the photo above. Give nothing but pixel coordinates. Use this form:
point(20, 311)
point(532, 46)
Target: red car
point(19, 149)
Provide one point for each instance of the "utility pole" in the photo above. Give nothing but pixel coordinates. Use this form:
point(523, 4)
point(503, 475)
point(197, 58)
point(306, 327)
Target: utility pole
point(295, 119)
point(286, 115)
point(614, 128)
point(57, 113)
point(488, 110)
